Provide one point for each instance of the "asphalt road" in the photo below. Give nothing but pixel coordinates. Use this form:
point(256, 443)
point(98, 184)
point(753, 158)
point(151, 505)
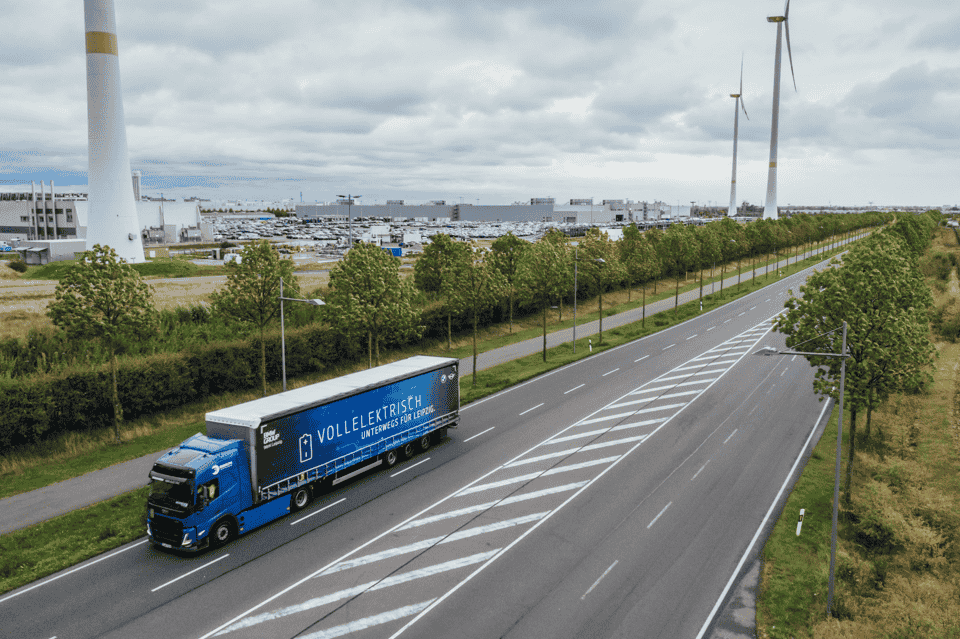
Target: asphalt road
point(614, 497)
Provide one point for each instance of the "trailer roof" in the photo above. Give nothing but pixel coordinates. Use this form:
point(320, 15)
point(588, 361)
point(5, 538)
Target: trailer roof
point(258, 411)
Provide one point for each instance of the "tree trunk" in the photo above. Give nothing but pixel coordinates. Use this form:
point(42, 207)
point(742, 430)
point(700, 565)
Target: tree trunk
point(263, 361)
point(701, 283)
point(869, 413)
point(376, 349)
point(738, 275)
point(117, 406)
point(676, 296)
point(600, 341)
point(722, 268)
point(853, 440)
point(544, 332)
point(511, 309)
point(369, 349)
point(643, 319)
point(474, 345)
point(449, 334)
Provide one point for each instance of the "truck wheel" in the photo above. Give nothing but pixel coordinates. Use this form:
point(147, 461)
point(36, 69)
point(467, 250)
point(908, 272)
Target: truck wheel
point(300, 499)
point(425, 442)
point(222, 533)
point(409, 450)
point(390, 458)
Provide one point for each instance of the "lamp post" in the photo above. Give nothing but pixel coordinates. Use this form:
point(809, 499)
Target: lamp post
point(576, 248)
point(349, 199)
point(601, 262)
point(283, 341)
point(769, 350)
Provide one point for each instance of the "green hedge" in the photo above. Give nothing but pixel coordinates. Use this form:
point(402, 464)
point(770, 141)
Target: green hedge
point(39, 407)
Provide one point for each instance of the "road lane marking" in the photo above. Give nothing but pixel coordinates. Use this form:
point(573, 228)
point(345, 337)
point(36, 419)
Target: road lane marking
point(731, 435)
point(658, 515)
point(409, 467)
point(725, 321)
point(641, 359)
point(386, 582)
point(651, 399)
point(316, 512)
point(746, 553)
point(793, 358)
point(702, 366)
point(17, 594)
point(610, 372)
point(767, 300)
point(369, 622)
point(187, 574)
point(711, 328)
point(607, 418)
point(784, 371)
point(574, 388)
point(671, 346)
point(478, 434)
point(605, 573)
point(752, 307)
point(743, 313)
point(691, 337)
point(656, 389)
point(571, 451)
point(424, 544)
point(553, 471)
point(534, 408)
point(701, 468)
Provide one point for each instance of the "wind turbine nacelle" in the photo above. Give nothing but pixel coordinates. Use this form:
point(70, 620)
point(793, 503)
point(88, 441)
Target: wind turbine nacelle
point(734, 95)
point(776, 18)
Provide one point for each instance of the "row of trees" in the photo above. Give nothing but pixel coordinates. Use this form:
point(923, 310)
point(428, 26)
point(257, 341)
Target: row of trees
point(105, 300)
point(879, 291)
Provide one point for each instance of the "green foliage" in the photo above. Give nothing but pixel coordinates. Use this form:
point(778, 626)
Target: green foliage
point(19, 266)
point(542, 277)
point(251, 294)
point(369, 298)
point(507, 251)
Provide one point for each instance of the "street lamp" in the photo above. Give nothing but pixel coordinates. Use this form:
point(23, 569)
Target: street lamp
point(576, 249)
point(349, 199)
point(770, 350)
point(283, 342)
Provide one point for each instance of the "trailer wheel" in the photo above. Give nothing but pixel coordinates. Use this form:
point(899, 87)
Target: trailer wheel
point(409, 450)
point(390, 458)
point(425, 442)
point(300, 499)
point(222, 533)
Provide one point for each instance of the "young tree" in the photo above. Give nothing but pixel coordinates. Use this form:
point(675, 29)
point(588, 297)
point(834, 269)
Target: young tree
point(368, 297)
point(505, 257)
point(104, 298)
point(251, 294)
point(541, 277)
point(655, 237)
point(478, 285)
point(711, 246)
point(432, 273)
point(680, 253)
point(601, 266)
point(879, 292)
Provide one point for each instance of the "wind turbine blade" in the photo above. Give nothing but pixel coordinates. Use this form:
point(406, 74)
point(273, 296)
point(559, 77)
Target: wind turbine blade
point(743, 107)
point(786, 10)
point(786, 27)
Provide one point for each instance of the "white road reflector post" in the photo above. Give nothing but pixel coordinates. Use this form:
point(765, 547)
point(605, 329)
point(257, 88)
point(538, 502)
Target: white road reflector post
point(800, 522)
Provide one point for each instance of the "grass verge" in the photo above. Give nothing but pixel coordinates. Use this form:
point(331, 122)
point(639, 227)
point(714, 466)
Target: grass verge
point(56, 544)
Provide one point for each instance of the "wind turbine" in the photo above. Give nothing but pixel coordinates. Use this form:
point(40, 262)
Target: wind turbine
point(770, 208)
point(737, 105)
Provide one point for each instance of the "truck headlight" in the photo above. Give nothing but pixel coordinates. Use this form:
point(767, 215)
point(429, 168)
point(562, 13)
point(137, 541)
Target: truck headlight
point(186, 538)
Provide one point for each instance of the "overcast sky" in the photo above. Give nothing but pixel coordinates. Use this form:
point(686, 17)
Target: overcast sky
point(497, 100)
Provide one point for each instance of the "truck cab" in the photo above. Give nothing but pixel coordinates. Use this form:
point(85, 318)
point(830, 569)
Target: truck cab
point(197, 491)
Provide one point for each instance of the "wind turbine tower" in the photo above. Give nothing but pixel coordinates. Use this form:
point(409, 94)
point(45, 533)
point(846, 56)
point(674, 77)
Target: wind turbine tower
point(770, 208)
point(737, 105)
point(112, 214)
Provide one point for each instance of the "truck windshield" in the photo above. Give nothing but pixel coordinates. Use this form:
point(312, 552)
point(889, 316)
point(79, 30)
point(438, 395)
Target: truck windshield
point(178, 497)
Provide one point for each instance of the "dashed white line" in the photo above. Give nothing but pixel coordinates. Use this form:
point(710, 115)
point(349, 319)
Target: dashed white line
point(711, 328)
point(701, 468)
point(784, 371)
point(641, 359)
point(478, 434)
point(793, 358)
point(671, 346)
point(209, 563)
point(574, 388)
point(658, 515)
point(725, 321)
point(316, 512)
point(605, 573)
point(752, 307)
point(731, 435)
point(743, 313)
point(610, 372)
point(411, 466)
point(534, 408)
point(691, 337)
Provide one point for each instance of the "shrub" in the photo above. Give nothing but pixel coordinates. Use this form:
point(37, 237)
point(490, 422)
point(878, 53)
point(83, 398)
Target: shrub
point(19, 266)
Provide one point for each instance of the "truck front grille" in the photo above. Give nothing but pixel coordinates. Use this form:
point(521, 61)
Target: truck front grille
point(167, 530)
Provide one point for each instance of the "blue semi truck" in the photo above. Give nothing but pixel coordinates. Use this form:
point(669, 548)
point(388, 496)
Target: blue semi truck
point(265, 458)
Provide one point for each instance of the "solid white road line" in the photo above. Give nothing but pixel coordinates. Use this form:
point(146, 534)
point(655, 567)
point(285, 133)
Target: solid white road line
point(478, 434)
point(571, 451)
point(316, 512)
point(409, 467)
point(369, 622)
point(534, 408)
point(650, 399)
point(574, 388)
point(95, 561)
point(607, 418)
point(605, 573)
point(658, 515)
point(187, 574)
point(746, 553)
point(655, 389)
